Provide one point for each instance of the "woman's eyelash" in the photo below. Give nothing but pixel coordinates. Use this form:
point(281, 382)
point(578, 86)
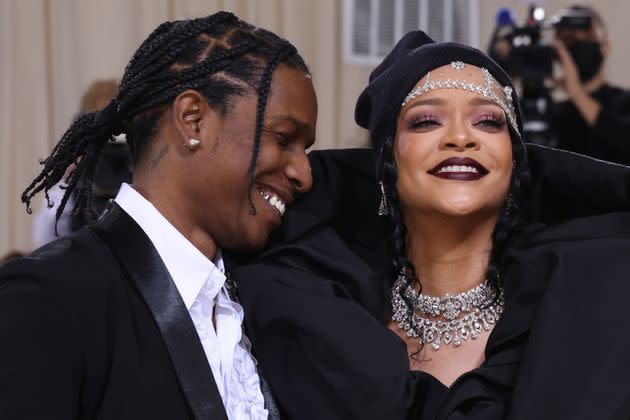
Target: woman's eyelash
point(491, 121)
point(424, 121)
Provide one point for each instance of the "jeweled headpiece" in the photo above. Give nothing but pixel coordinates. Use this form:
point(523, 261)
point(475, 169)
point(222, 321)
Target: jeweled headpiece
point(415, 55)
point(490, 89)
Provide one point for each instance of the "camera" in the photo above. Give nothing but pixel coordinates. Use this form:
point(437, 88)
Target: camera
point(530, 57)
point(525, 54)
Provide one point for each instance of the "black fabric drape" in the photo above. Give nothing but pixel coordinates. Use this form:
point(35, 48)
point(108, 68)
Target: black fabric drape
point(316, 299)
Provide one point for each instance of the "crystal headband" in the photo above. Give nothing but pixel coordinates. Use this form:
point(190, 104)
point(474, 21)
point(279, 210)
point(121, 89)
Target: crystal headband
point(486, 90)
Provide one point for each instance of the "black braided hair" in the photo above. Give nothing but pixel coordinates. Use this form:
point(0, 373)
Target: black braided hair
point(508, 223)
point(263, 93)
point(220, 55)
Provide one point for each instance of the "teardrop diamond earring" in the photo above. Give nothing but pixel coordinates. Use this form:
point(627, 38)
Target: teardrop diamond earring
point(383, 208)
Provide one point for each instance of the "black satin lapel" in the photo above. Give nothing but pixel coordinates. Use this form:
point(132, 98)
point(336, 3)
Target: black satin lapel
point(138, 256)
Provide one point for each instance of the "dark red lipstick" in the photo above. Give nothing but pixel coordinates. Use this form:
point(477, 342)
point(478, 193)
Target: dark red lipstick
point(459, 169)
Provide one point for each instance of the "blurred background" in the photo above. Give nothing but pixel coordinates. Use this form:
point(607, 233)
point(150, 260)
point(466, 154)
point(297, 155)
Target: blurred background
point(54, 50)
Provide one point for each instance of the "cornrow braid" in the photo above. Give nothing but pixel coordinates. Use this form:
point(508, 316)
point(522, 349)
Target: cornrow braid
point(167, 41)
point(191, 78)
point(219, 55)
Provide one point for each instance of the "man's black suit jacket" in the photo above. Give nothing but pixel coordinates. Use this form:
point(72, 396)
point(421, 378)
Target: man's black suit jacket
point(92, 327)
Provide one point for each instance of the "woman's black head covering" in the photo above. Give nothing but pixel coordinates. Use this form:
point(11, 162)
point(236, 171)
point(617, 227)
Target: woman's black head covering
point(411, 59)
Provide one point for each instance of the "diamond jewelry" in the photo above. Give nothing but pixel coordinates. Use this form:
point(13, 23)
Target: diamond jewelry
point(458, 65)
point(481, 307)
point(487, 90)
point(231, 288)
point(383, 208)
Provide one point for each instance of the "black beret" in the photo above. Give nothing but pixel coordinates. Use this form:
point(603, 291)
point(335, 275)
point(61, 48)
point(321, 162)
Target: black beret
point(411, 59)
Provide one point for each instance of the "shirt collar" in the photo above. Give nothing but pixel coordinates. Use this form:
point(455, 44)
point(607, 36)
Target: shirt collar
point(188, 267)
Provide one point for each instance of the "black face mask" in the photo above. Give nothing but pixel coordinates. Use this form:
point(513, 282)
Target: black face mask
point(588, 58)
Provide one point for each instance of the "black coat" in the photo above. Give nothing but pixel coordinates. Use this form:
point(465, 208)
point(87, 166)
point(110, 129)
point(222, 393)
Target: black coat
point(316, 303)
point(93, 327)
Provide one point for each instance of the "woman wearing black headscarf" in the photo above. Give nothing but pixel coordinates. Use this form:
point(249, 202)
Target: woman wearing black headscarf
point(502, 290)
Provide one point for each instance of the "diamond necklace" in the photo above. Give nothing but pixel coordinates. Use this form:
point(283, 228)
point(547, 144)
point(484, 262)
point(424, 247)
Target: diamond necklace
point(481, 306)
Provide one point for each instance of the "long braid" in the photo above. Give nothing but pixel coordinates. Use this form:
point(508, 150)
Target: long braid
point(389, 177)
point(401, 264)
point(510, 220)
point(219, 55)
point(85, 138)
point(263, 93)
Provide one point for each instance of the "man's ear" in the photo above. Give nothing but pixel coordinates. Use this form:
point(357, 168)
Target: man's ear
point(191, 111)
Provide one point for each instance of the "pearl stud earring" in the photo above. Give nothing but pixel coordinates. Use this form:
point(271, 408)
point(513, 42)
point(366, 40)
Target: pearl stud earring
point(194, 143)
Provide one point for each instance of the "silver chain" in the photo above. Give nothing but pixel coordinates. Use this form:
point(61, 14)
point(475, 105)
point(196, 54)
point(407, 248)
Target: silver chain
point(482, 306)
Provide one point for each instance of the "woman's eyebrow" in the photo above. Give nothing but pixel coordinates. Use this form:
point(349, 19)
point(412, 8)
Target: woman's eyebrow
point(482, 101)
point(428, 101)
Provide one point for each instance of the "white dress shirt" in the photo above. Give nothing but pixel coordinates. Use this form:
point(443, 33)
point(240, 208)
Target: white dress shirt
point(201, 284)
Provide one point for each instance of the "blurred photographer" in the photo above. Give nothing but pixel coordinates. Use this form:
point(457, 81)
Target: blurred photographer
point(595, 119)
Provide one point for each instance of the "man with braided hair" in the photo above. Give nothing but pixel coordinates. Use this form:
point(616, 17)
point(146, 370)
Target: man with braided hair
point(133, 317)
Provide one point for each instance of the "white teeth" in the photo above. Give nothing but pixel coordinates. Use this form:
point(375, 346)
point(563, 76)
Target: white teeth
point(457, 168)
point(280, 206)
point(275, 201)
